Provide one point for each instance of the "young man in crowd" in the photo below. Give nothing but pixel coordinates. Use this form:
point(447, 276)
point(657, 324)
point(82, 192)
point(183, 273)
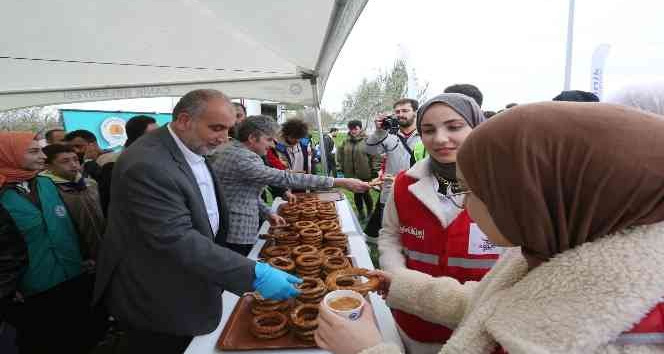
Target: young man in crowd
point(80, 195)
point(576, 96)
point(295, 150)
point(331, 151)
point(240, 115)
point(398, 148)
point(355, 162)
point(467, 89)
point(86, 147)
point(55, 136)
point(240, 112)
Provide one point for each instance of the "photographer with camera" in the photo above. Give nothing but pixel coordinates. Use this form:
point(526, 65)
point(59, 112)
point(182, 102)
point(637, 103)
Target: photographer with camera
point(395, 136)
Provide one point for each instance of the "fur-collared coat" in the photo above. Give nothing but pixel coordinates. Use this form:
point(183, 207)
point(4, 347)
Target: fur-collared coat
point(578, 302)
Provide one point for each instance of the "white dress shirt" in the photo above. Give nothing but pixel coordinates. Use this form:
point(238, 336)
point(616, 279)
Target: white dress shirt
point(203, 178)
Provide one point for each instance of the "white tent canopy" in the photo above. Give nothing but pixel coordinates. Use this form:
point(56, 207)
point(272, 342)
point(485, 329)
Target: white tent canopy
point(54, 52)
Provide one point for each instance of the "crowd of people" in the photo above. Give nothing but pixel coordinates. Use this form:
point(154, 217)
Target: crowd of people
point(535, 229)
point(172, 216)
point(544, 238)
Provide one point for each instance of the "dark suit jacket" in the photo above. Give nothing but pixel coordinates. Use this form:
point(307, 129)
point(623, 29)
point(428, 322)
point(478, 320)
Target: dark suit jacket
point(159, 267)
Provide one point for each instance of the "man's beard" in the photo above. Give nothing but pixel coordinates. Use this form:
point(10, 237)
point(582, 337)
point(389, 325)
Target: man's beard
point(406, 123)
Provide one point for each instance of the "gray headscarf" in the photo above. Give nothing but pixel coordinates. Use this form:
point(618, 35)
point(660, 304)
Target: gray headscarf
point(461, 104)
point(445, 173)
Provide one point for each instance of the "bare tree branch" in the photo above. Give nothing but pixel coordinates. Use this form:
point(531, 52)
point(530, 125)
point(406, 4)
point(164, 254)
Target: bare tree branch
point(379, 94)
point(29, 119)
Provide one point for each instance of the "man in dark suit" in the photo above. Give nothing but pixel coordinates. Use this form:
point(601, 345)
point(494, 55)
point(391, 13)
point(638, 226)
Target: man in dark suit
point(330, 152)
point(161, 269)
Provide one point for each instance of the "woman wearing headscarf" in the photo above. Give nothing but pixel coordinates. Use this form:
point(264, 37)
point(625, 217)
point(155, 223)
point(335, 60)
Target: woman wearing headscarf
point(13, 250)
point(424, 225)
point(579, 188)
point(40, 258)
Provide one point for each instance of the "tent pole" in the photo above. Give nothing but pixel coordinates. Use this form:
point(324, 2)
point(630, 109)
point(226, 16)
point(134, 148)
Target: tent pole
point(316, 99)
point(570, 42)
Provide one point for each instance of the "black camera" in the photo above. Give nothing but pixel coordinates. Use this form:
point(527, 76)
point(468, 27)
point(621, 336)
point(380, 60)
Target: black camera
point(391, 124)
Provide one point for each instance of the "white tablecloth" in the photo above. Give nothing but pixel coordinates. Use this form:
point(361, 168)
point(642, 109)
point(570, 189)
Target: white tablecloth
point(205, 344)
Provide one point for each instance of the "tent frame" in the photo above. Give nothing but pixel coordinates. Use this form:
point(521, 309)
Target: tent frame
point(91, 73)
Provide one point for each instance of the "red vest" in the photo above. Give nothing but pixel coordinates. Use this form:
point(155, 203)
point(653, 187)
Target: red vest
point(649, 331)
point(437, 251)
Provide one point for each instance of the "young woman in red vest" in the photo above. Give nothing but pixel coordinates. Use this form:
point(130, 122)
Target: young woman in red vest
point(579, 188)
point(425, 227)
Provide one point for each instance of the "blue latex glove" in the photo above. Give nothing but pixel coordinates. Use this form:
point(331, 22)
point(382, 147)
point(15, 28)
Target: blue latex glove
point(274, 284)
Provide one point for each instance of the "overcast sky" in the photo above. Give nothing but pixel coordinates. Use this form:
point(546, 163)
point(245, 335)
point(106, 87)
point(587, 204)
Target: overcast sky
point(513, 50)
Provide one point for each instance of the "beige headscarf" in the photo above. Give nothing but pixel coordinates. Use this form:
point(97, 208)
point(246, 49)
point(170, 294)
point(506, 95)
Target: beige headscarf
point(556, 175)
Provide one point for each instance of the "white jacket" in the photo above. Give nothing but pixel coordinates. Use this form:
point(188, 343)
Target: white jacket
point(389, 238)
point(398, 158)
point(578, 302)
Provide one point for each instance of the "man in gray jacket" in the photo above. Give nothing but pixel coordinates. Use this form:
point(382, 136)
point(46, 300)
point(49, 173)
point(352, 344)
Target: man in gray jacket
point(399, 150)
point(243, 176)
point(161, 268)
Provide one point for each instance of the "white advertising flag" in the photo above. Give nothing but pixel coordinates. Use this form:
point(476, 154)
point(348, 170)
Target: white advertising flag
point(597, 69)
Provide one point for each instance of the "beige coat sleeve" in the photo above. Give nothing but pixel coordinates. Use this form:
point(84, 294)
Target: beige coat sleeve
point(389, 239)
point(383, 348)
point(439, 300)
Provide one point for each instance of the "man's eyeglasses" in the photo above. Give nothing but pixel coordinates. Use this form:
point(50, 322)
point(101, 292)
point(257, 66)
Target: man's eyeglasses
point(454, 196)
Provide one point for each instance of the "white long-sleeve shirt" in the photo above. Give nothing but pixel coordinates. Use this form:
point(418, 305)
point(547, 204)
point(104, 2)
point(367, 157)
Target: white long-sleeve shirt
point(204, 179)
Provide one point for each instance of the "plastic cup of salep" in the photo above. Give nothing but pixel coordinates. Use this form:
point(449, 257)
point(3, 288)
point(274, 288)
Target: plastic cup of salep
point(345, 303)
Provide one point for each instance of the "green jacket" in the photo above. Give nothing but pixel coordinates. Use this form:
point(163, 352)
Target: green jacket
point(354, 161)
point(51, 238)
point(419, 151)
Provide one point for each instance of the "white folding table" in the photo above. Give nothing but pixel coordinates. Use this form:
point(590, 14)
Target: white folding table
point(359, 253)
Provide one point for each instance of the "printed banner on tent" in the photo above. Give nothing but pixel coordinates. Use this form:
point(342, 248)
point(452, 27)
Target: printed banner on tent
point(108, 127)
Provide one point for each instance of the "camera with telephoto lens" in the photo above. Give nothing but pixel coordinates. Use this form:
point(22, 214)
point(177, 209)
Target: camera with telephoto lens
point(391, 124)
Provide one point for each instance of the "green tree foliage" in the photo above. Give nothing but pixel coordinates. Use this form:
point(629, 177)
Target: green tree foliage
point(308, 115)
point(377, 95)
